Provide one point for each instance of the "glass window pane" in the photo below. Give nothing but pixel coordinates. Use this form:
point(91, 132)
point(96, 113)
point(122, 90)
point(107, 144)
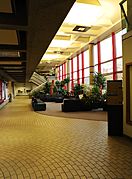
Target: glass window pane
point(61, 70)
point(74, 82)
point(96, 68)
point(70, 85)
point(95, 54)
point(109, 77)
point(119, 76)
point(75, 75)
point(118, 37)
point(107, 67)
point(119, 64)
point(80, 73)
point(75, 64)
point(106, 49)
point(87, 80)
point(118, 44)
point(86, 72)
point(70, 69)
point(80, 81)
point(80, 61)
point(86, 59)
point(60, 78)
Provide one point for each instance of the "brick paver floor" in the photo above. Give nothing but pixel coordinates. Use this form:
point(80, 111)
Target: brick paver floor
point(35, 146)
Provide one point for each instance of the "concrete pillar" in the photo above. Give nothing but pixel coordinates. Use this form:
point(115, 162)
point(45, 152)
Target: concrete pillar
point(10, 92)
point(9, 87)
point(56, 72)
point(91, 63)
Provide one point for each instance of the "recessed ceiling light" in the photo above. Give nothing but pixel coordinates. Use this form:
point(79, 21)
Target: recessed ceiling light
point(81, 28)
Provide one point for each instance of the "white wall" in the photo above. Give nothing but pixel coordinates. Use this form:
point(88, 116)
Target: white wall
point(127, 58)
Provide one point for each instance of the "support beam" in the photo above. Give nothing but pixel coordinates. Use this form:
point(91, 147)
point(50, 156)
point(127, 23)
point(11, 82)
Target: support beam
point(91, 63)
point(12, 59)
point(5, 75)
point(22, 39)
point(10, 21)
point(10, 48)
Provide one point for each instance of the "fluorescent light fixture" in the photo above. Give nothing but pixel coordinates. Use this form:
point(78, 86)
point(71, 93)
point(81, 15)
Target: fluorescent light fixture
point(60, 43)
point(83, 14)
point(50, 56)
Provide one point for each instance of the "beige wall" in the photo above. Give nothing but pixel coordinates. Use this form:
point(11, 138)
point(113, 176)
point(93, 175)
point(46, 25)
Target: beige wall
point(131, 93)
point(21, 88)
point(127, 58)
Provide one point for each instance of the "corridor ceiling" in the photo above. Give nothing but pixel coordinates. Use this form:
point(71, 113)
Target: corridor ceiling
point(27, 28)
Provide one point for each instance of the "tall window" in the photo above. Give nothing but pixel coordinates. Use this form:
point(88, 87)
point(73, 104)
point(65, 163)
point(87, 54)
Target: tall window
point(75, 69)
point(108, 57)
point(57, 73)
point(61, 72)
point(86, 67)
point(119, 60)
point(80, 68)
point(106, 49)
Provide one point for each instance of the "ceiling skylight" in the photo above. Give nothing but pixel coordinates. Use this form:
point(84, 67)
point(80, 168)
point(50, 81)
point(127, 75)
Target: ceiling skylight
point(60, 43)
point(83, 14)
point(50, 56)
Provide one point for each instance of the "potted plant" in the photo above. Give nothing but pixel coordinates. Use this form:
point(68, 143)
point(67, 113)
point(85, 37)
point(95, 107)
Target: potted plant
point(78, 89)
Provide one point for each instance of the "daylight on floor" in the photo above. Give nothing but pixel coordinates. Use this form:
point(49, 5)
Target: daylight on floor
point(65, 89)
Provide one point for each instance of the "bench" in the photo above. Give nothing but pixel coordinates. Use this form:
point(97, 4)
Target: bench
point(38, 105)
point(71, 105)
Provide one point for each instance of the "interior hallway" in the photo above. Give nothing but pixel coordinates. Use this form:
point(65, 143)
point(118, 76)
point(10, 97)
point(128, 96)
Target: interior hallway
point(38, 146)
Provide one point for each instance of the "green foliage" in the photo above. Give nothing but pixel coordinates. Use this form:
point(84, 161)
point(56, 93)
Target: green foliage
point(35, 94)
point(67, 80)
point(59, 86)
point(54, 89)
point(77, 90)
point(46, 88)
point(99, 80)
point(57, 83)
point(95, 98)
point(96, 90)
point(62, 83)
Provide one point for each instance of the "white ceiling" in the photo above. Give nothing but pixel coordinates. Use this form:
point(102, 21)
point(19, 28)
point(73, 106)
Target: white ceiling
point(105, 17)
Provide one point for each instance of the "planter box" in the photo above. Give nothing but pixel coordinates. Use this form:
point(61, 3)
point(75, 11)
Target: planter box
point(72, 105)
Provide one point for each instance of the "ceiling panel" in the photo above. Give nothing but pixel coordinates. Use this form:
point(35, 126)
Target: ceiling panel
point(5, 6)
point(8, 37)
